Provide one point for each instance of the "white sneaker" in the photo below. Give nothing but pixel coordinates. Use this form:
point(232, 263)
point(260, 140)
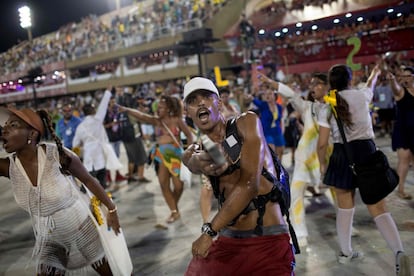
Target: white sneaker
point(402, 264)
point(356, 255)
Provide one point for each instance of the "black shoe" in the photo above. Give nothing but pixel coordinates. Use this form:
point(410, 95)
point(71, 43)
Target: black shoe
point(132, 179)
point(144, 180)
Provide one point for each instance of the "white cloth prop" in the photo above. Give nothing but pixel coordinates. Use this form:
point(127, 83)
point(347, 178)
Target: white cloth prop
point(115, 247)
point(185, 175)
point(111, 160)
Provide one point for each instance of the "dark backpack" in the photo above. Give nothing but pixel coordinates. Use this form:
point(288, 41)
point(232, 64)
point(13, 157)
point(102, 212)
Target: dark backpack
point(281, 189)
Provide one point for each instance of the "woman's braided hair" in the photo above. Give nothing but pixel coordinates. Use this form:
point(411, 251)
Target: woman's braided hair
point(64, 158)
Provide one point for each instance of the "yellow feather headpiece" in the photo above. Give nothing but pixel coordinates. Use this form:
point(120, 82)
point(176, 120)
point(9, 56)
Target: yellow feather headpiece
point(330, 99)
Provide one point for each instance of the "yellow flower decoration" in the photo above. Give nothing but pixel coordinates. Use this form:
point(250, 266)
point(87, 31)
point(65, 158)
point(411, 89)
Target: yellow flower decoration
point(331, 100)
point(372, 107)
point(77, 150)
point(95, 203)
point(96, 211)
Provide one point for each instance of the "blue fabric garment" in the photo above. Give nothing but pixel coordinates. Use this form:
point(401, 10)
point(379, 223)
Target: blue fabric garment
point(66, 131)
point(272, 129)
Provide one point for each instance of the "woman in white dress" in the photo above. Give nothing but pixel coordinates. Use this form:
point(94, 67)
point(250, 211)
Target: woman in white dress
point(66, 236)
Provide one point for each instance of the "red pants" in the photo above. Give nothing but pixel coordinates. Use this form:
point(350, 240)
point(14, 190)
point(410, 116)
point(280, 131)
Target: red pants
point(266, 255)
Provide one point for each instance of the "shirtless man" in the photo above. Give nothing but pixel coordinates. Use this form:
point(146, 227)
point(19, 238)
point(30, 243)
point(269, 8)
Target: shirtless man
point(238, 249)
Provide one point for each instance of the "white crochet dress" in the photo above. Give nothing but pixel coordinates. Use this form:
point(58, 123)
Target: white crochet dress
point(66, 237)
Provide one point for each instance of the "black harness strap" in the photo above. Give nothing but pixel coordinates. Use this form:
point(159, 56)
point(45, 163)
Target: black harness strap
point(232, 146)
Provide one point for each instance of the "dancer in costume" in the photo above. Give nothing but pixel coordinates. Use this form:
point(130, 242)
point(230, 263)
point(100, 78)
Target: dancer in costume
point(351, 106)
point(403, 132)
point(252, 235)
point(306, 171)
point(167, 152)
point(66, 236)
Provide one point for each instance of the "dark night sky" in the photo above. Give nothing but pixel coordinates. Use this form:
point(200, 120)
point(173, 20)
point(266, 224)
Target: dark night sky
point(47, 16)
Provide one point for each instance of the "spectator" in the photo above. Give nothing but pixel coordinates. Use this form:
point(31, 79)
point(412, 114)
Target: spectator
point(66, 126)
point(230, 108)
point(90, 136)
point(384, 101)
point(147, 130)
point(134, 147)
point(247, 38)
point(403, 133)
point(271, 118)
point(113, 126)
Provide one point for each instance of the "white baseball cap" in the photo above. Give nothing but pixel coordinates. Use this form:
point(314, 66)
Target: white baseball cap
point(199, 83)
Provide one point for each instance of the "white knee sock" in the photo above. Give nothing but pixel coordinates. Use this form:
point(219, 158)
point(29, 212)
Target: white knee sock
point(344, 219)
point(388, 229)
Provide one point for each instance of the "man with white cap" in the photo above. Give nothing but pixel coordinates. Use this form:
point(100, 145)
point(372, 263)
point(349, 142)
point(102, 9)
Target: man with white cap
point(252, 238)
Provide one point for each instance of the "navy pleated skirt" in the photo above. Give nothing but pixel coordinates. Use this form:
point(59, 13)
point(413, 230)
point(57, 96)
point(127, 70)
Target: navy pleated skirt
point(339, 173)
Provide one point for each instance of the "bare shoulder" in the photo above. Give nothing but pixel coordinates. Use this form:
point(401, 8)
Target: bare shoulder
point(248, 116)
point(247, 121)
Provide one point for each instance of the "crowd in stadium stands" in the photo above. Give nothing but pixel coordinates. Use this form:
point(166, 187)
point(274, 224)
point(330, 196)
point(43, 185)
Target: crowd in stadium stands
point(301, 4)
point(91, 35)
point(269, 16)
point(301, 47)
point(94, 70)
point(238, 85)
point(269, 13)
point(91, 32)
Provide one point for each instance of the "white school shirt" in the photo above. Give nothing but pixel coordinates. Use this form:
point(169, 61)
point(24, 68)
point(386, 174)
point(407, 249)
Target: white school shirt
point(358, 101)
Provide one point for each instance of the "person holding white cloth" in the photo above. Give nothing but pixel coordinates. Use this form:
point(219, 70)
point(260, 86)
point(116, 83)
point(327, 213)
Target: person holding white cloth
point(41, 178)
point(91, 136)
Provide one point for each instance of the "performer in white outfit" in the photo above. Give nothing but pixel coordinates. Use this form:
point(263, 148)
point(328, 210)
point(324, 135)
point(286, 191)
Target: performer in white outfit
point(306, 170)
point(40, 173)
point(91, 136)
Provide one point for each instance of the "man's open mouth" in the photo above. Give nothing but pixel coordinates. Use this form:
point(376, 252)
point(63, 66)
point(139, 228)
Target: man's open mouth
point(203, 115)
